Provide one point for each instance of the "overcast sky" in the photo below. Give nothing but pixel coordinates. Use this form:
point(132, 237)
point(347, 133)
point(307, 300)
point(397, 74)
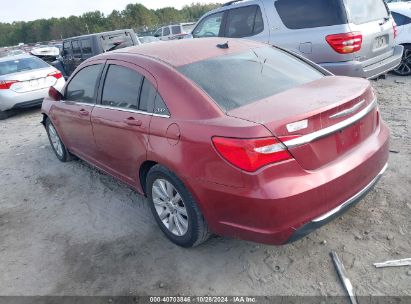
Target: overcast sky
point(27, 10)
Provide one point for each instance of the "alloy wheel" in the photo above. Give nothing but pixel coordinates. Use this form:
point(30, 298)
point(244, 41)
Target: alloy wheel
point(55, 141)
point(405, 67)
point(170, 207)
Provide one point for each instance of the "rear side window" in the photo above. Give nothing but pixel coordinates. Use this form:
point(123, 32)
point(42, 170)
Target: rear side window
point(86, 46)
point(21, 65)
point(244, 22)
point(160, 107)
point(209, 26)
point(148, 94)
point(176, 29)
point(240, 79)
point(166, 31)
point(76, 47)
point(364, 11)
point(83, 86)
point(122, 87)
point(116, 41)
point(300, 14)
point(401, 19)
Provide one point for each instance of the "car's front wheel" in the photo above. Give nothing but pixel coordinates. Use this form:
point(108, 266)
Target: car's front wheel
point(58, 147)
point(404, 69)
point(175, 209)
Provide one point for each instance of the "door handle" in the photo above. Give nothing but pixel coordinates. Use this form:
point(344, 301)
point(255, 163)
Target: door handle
point(84, 112)
point(131, 121)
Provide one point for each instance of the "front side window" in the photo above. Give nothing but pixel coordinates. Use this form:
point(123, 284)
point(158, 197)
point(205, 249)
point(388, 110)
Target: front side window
point(83, 86)
point(67, 47)
point(366, 10)
point(244, 22)
point(166, 31)
point(176, 29)
point(209, 26)
point(240, 79)
point(298, 14)
point(122, 87)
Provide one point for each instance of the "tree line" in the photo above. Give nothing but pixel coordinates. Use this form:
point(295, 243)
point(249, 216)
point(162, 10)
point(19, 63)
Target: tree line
point(135, 16)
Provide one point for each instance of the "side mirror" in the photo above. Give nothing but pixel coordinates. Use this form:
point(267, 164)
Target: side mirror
point(54, 94)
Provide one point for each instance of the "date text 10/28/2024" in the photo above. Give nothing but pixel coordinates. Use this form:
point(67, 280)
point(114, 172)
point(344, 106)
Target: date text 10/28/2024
point(203, 299)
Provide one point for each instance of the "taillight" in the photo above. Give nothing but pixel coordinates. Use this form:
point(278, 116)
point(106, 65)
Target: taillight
point(56, 75)
point(6, 84)
point(345, 43)
point(395, 27)
point(252, 154)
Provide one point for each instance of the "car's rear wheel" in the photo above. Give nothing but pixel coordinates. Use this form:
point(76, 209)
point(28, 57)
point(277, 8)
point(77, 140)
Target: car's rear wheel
point(404, 69)
point(56, 143)
point(5, 114)
point(175, 209)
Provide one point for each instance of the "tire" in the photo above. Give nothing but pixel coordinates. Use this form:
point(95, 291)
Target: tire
point(171, 214)
point(5, 114)
point(404, 69)
point(56, 143)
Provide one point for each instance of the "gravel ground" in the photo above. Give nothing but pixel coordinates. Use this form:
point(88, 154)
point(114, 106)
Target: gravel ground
point(67, 229)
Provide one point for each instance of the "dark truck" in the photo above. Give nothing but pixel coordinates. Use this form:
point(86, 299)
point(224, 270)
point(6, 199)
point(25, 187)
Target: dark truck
point(77, 49)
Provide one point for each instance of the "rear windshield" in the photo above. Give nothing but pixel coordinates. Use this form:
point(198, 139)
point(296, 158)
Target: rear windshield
point(240, 79)
point(364, 11)
point(116, 41)
point(298, 14)
point(20, 65)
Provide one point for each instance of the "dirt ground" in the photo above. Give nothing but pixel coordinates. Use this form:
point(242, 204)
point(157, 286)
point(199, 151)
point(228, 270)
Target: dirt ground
point(67, 229)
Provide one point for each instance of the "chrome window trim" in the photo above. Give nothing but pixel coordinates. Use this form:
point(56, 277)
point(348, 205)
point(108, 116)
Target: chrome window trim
point(353, 198)
point(131, 111)
point(305, 139)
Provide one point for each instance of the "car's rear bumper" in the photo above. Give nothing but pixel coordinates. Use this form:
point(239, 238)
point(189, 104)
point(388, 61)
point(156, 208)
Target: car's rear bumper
point(337, 211)
point(12, 100)
point(284, 202)
point(359, 69)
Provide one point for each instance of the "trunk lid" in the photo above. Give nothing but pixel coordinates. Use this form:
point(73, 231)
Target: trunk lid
point(321, 113)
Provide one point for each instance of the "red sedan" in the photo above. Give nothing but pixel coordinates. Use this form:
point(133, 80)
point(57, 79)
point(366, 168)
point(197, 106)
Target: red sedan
point(231, 137)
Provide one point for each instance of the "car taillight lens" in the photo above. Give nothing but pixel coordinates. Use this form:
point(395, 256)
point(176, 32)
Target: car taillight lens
point(6, 84)
point(56, 75)
point(345, 43)
point(252, 154)
point(395, 27)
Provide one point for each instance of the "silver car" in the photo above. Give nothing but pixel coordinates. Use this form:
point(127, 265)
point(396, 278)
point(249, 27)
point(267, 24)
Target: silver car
point(347, 37)
point(24, 82)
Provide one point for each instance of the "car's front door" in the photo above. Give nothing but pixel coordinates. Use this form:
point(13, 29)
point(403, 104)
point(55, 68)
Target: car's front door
point(73, 113)
point(121, 121)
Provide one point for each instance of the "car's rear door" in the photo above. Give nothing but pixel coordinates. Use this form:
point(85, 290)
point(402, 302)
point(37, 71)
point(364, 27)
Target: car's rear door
point(72, 115)
point(121, 120)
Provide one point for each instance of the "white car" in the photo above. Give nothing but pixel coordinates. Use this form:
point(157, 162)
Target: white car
point(401, 11)
point(173, 32)
point(24, 82)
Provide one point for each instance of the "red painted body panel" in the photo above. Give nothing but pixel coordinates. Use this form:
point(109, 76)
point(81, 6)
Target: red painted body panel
point(267, 205)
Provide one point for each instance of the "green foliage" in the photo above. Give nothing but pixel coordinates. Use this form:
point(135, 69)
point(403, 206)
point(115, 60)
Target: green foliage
point(135, 16)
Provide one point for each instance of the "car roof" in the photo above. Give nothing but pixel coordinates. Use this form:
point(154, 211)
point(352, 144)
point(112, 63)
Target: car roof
point(98, 34)
point(16, 57)
point(185, 51)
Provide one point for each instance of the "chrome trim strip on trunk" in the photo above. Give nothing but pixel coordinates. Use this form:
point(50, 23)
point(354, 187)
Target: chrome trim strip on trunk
point(348, 111)
point(353, 198)
point(305, 139)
